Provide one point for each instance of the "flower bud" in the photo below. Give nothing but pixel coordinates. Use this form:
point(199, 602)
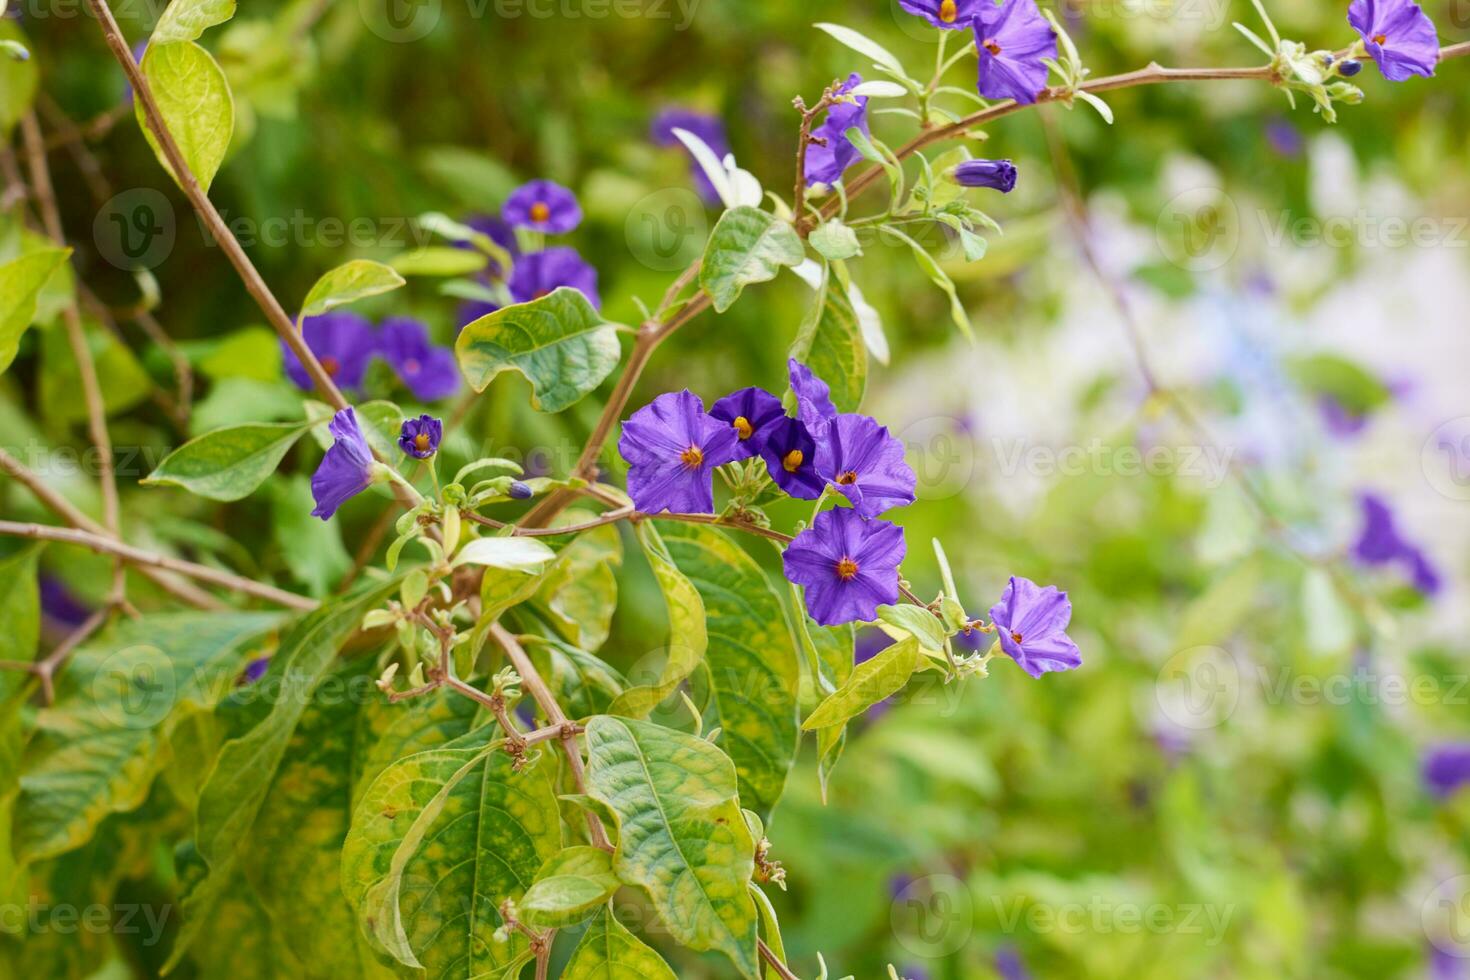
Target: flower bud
point(521, 491)
point(998, 175)
point(1348, 67)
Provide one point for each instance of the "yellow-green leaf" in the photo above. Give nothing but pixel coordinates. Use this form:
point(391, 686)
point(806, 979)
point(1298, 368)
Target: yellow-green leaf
point(348, 283)
point(608, 951)
point(568, 888)
point(688, 635)
point(871, 682)
point(21, 281)
point(228, 464)
point(747, 246)
point(194, 98)
point(186, 20)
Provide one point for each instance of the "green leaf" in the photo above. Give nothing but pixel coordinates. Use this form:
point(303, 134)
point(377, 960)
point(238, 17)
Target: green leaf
point(251, 352)
point(122, 379)
point(688, 637)
point(771, 926)
point(871, 682)
point(751, 659)
point(863, 45)
point(558, 342)
point(186, 20)
point(227, 464)
point(247, 765)
point(389, 732)
point(834, 241)
point(18, 82)
point(511, 554)
point(20, 607)
point(579, 592)
point(99, 746)
point(312, 549)
point(348, 283)
point(568, 888)
point(439, 261)
point(195, 101)
point(21, 281)
point(584, 684)
point(681, 835)
point(748, 246)
point(937, 276)
point(830, 342)
point(608, 951)
point(918, 622)
point(438, 841)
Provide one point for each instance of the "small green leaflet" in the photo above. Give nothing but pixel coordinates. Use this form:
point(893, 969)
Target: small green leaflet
point(568, 888)
point(748, 246)
point(349, 283)
point(871, 681)
point(439, 261)
point(511, 554)
point(863, 45)
point(688, 635)
point(186, 20)
point(194, 99)
point(228, 464)
point(608, 951)
point(917, 621)
point(18, 79)
point(937, 276)
point(558, 342)
point(21, 282)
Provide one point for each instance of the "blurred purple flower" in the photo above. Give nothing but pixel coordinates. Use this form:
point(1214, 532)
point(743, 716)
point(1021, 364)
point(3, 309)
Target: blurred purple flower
point(1398, 35)
point(848, 566)
point(1032, 622)
point(540, 273)
point(1447, 768)
point(825, 162)
point(949, 15)
point(672, 448)
point(347, 468)
point(498, 232)
point(1379, 543)
point(59, 605)
point(1013, 41)
point(790, 453)
point(749, 411)
point(709, 129)
point(1284, 138)
point(420, 437)
point(543, 206)
point(999, 175)
point(430, 372)
point(139, 49)
point(1340, 422)
point(255, 670)
point(344, 343)
point(866, 465)
point(1446, 964)
point(1008, 964)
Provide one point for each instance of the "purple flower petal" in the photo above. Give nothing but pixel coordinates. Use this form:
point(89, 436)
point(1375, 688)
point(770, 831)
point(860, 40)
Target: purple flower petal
point(1398, 35)
point(750, 412)
point(1447, 768)
point(420, 437)
point(1013, 41)
point(949, 15)
point(790, 453)
point(672, 448)
point(345, 470)
point(825, 162)
point(342, 341)
point(813, 397)
point(542, 206)
point(541, 273)
point(999, 175)
point(430, 372)
point(1030, 622)
point(866, 464)
point(848, 566)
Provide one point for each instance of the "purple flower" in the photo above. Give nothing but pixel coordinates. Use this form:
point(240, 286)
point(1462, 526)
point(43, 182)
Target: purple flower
point(708, 128)
point(950, 15)
point(813, 398)
point(826, 162)
point(1032, 624)
point(863, 460)
point(1013, 40)
point(347, 468)
point(672, 448)
point(790, 453)
point(1341, 421)
point(542, 206)
point(1379, 543)
point(999, 175)
point(498, 232)
point(750, 412)
point(430, 372)
point(1447, 768)
point(420, 437)
point(848, 566)
point(1008, 964)
point(520, 491)
point(59, 604)
point(1284, 138)
point(540, 273)
point(1398, 35)
point(255, 670)
point(342, 341)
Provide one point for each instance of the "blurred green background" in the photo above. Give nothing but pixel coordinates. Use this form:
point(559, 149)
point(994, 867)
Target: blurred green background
point(1230, 786)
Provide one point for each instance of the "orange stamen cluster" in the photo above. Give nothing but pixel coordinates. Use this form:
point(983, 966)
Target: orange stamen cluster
point(847, 569)
point(793, 461)
point(692, 457)
point(743, 428)
point(540, 212)
point(948, 11)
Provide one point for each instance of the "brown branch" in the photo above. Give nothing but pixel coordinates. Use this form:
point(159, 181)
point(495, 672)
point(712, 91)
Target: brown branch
point(804, 139)
point(543, 697)
point(109, 546)
point(774, 961)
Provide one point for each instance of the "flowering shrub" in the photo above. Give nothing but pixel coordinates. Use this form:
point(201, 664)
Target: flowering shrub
point(505, 772)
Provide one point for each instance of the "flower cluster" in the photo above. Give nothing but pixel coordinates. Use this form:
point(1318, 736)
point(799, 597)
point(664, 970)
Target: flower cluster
point(346, 343)
point(348, 468)
point(1380, 543)
point(540, 207)
point(1013, 41)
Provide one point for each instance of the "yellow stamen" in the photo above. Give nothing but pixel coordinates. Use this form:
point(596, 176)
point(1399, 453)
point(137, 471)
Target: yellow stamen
point(421, 442)
point(1017, 637)
point(847, 569)
point(848, 479)
point(330, 365)
point(948, 11)
point(692, 457)
point(793, 461)
point(540, 212)
point(1380, 39)
point(743, 428)
point(992, 47)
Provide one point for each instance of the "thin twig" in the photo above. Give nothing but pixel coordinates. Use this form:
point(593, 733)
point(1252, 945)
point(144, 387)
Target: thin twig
point(804, 139)
point(774, 961)
point(137, 556)
point(543, 697)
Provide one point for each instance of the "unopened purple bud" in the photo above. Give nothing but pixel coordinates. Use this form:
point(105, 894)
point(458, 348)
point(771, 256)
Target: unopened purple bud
point(520, 491)
point(1348, 67)
point(998, 175)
